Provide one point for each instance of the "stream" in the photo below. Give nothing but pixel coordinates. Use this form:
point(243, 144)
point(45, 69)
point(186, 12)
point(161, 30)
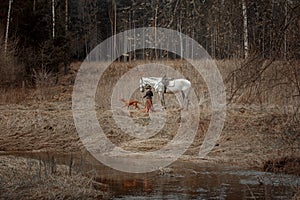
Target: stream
point(185, 180)
point(190, 181)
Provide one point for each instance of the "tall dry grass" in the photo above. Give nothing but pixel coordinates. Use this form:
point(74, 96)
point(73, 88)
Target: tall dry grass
point(15, 95)
point(263, 82)
point(43, 80)
point(41, 91)
point(23, 178)
point(11, 72)
point(260, 82)
point(12, 85)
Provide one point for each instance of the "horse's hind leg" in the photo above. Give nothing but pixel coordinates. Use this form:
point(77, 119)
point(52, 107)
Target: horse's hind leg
point(185, 101)
point(164, 102)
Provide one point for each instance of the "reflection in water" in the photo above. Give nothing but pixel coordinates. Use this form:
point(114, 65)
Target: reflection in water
point(184, 180)
point(143, 185)
point(189, 181)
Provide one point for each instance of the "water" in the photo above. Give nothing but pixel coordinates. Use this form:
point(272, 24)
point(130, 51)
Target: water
point(191, 181)
point(186, 180)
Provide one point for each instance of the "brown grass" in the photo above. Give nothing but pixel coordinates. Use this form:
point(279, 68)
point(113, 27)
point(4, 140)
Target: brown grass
point(297, 195)
point(43, 80)
point(260, 126)
point(11, 72)
point(283, 165)
point(277, 86)
point(12, 95)
point(264, 82)
point(22, 178)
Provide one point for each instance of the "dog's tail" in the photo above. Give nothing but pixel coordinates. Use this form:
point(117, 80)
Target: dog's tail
point(123, 100)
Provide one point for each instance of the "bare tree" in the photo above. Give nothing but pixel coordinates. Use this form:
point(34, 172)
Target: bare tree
point(155, 26)
point(66, 15)
point(7, 25)
point(113, 21)
point(245, 28)
point(53, 19)
point(34, 5)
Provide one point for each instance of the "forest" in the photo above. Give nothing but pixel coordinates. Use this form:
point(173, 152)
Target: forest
point(51, 34)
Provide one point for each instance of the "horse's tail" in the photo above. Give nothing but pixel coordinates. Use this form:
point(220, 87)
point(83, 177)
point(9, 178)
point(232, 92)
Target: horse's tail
point(123, 100)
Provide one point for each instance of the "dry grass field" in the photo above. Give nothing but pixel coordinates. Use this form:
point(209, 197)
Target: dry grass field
point(261, 129)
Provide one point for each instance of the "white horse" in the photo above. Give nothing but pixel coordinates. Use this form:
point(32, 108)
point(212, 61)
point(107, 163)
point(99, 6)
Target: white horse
point(164, 85)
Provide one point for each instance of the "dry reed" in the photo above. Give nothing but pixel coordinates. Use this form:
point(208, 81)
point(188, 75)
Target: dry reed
point(23, 178)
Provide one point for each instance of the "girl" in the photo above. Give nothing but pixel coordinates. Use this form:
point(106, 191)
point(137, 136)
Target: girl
point(148, 96)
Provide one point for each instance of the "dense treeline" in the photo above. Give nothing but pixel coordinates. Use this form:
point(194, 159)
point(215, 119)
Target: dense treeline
point(52, 33)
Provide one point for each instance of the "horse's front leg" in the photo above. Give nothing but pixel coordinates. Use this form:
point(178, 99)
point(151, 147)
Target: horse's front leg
point(162, 100)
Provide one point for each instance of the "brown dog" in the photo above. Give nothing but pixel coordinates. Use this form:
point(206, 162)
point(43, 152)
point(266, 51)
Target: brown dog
point(131, 103)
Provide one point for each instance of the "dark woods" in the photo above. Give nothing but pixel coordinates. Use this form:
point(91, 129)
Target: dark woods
point(50, 34)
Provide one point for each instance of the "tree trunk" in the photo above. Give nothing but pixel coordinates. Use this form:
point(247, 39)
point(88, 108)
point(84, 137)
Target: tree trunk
point(7, 25)
point(115, 27)
point(180, 36)
point(53, 19)
point(285, 31)
point(245, 29)
point(66, 16)
point(155, 25)
point(213, 42)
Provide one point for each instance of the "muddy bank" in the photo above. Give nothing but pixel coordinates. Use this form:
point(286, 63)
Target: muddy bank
point(283, 165)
